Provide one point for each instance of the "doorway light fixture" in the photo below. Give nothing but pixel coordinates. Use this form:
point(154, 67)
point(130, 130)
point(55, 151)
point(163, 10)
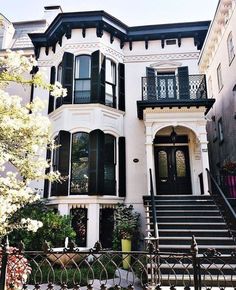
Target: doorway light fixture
point(173, 136)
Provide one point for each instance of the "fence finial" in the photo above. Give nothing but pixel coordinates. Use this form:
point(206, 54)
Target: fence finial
point(194, 246)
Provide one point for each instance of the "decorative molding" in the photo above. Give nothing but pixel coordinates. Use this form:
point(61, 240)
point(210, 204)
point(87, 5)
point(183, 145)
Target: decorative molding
point(166, 64)
point(175, 110)
point(216, 31)
point(78, 47)
point(161, 57)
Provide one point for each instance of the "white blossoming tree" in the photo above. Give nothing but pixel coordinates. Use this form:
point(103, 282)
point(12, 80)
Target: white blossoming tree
point(24, 135)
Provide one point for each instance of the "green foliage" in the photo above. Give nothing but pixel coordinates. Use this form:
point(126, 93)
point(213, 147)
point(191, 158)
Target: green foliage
point(126, 224)
point(54, 230)
point(102, 268)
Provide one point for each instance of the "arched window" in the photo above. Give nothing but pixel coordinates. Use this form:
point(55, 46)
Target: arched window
point(79, 163)
point(82, 79)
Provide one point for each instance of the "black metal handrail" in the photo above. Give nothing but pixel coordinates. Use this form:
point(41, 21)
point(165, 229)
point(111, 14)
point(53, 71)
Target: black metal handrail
point(175, 88)
point(154, 217)
point(220, 198)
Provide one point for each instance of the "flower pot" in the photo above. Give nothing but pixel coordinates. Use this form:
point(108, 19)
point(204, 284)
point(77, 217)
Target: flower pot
point(126, 247)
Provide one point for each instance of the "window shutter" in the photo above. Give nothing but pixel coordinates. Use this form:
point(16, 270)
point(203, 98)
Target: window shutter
point(96, 162)
point(51, 98)
point(183, 79)
point(121, 88)
point(151, 84)
point(67, 76)
point(98, 67)
point(61, 189)
point(46, 182)
point(122, 167)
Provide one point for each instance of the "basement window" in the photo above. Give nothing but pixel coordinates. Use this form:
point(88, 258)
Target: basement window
point(171, 42)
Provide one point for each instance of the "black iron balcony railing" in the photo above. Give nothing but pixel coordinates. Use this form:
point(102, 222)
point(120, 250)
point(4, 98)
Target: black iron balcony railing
point(174, 87)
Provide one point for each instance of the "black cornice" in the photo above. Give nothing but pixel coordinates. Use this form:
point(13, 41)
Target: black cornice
point(102, 21)
point(142, 105)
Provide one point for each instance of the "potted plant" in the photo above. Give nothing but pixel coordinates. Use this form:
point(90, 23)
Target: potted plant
point(126, 228)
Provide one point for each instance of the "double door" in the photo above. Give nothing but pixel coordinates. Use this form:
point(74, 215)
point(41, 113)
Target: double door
point(172, 170)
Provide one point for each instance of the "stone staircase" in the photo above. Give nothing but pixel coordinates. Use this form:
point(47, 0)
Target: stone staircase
point(180, 217)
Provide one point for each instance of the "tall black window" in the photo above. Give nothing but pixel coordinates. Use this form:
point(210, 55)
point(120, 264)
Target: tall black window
point(82, 79)
point(109, 165)
point(79, 163)
point(110, 99)
point(59, 73)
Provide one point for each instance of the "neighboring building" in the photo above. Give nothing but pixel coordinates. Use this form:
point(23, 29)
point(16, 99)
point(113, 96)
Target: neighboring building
point(135, 102)
point(218, 62)
point(14, 36)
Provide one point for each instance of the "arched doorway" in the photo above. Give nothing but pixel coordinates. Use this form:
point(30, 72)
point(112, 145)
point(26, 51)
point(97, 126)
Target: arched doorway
point(172, 164)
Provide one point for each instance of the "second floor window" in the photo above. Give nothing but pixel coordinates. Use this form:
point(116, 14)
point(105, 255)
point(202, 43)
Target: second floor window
point(82, 79)
point(110, 99)
point(219, 77)
point(230, 46)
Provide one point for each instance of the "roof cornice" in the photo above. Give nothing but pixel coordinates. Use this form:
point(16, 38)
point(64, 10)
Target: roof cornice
point(218, 25)
point(102, 21)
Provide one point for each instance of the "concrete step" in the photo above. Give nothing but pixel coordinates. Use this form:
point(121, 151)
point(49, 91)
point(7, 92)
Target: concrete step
point(196, 233)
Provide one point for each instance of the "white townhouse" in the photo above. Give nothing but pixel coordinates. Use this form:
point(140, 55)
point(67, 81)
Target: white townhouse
point(135, 102)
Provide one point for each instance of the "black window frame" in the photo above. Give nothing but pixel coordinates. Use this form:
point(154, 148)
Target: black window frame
point(114, 85)
point(70, 192)
point(82, 79)
point(113, 164)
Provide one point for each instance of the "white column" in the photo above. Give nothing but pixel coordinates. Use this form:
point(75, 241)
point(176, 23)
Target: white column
point(63, 209)
point(205, 161)
point(93, 224)
point(150, 157)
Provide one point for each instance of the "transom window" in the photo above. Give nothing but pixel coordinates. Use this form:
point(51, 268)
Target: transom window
point(82, 79)
point(110, 99)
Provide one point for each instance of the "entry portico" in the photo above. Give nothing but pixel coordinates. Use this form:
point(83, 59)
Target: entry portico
point(188, 151)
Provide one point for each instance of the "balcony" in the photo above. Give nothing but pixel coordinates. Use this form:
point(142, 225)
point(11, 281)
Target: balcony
point(169, 90)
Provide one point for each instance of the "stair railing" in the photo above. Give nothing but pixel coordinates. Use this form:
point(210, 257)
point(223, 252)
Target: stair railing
point(154, 215)
point(220, 199)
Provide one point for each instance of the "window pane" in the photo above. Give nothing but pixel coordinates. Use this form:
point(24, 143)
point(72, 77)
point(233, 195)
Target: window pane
point(79, 163)
point(219, 77)
point(180, 163)
point(110, 71)
point(82, 91)
point(109, 95)
point(59, 73)
point(109, 165)
point(162, 164)
point(83, 66)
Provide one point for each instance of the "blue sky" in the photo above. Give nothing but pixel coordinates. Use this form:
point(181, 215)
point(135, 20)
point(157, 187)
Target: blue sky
point(131, 12)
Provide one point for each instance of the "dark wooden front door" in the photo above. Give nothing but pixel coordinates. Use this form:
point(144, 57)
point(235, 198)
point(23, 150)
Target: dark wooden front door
point(172, 170)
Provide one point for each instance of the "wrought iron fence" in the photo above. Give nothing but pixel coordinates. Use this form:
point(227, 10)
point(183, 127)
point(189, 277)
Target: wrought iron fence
point(170, 87)
point(99, 269)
